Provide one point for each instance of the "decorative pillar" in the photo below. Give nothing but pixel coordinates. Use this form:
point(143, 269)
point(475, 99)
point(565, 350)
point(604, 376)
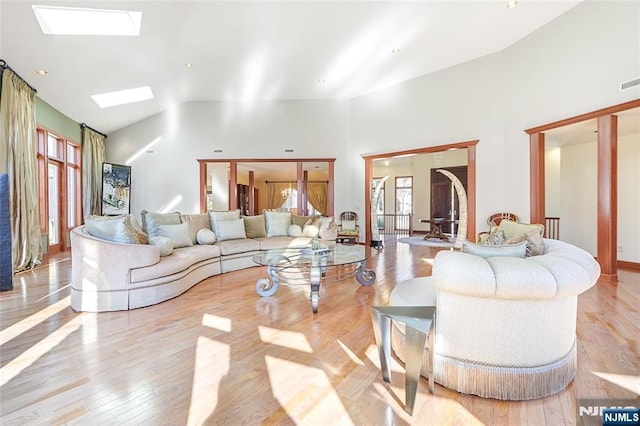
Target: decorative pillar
point(608, 196)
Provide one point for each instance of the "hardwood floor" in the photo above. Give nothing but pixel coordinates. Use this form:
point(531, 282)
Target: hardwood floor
point(219, 354)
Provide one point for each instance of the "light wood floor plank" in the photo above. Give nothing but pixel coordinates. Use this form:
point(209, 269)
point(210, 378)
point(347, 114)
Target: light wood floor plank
point(219, 354)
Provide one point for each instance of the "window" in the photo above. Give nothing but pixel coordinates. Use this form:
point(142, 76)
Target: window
point(59, 187)
point(291, 204)
point(380, 207)
point(404, 201)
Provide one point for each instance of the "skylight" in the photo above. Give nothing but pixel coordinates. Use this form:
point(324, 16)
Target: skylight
point(121, 97)
point(82, 21)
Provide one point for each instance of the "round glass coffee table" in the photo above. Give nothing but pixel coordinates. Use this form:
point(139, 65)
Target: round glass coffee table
point(311, 267)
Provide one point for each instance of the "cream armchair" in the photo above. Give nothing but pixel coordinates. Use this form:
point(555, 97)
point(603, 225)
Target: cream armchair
point(505, 326)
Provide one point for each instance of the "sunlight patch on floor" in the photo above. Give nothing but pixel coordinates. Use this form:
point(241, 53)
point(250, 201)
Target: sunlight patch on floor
point(54, 292)
point(288, 339)
point(219, 323)
point(628, 382)
point(211, 365)
point(374, 357)
point(305, 393)
point(31, 355)
point(33, 320)
point(350, 353)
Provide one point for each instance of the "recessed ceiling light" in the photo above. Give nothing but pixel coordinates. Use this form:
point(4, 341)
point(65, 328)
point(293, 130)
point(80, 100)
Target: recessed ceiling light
point(511, 4)
point(121, 97)
point(42, 72)
point(82, 21)
point(188, 65)
point(321, 80)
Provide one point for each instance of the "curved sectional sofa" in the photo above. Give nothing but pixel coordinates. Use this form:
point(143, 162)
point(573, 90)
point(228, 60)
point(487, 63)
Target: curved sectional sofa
point(112, 274)
point(505, 326)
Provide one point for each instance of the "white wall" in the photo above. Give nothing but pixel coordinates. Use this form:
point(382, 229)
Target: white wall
point(571, 66)
point(169, 177)
point(552, 166)
point(579, 200)
point(578, 189)
point(629, 198)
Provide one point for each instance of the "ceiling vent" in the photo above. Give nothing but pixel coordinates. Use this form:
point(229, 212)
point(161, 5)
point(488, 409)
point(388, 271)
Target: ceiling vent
point(629, 84)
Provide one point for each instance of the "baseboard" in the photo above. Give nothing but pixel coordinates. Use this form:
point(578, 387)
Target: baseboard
point(629, 266)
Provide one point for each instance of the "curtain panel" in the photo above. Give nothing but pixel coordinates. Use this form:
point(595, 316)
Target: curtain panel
point(276, 194)
point(18, 158)
point(93, 155)
point(317, 194)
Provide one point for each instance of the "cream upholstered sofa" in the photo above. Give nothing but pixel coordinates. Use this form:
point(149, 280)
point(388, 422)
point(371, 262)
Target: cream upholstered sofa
point(118, 266)
point(505, 326)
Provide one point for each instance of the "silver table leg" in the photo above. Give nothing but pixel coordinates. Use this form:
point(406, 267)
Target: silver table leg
point(419, 322)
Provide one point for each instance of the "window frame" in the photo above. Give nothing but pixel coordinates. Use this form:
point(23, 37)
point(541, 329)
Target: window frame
point(68, 157)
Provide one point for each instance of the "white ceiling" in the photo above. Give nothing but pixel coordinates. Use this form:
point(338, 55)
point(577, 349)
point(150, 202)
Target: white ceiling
point(251, 51)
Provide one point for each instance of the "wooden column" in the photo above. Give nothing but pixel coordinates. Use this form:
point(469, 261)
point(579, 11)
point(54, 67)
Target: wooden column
point(471, 192)
point(330, 190)
point(300, 187)
point(203, 186)
point(536, 185)
point(368, 177)
point(233, 185)
point(305, 194)
point(608, 196)
point(252, 186)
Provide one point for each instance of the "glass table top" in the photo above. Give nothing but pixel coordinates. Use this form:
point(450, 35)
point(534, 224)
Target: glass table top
point(329, 255)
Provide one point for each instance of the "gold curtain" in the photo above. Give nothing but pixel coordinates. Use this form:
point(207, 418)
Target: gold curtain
point(93, 155)
point(18, 158)
point(277, 195)
point(317, 196)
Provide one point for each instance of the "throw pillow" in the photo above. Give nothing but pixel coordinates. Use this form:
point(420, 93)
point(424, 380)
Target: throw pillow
point(231, 229)
point(515, 229)
point(151, 221)
point(495, 238)
point(330, 232)
point(225, 215)
point(302, 220)
point(277, 223)
point(348, 225)
point(196, 223)
point(179, 234)
point(205, 237)
point(535, 242)
point(117, 229)
point(294, 231)
point(323, 222)
point(254, 226)
point(165, 244)
point(143, 238)
point(310, 230)
point(508, 250)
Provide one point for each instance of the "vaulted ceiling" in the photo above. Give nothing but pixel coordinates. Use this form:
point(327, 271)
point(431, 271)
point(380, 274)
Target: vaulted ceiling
point(251, 51)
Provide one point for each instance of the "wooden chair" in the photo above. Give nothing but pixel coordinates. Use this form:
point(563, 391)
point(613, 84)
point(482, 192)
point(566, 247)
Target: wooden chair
point(496, 218)
point(348, 228)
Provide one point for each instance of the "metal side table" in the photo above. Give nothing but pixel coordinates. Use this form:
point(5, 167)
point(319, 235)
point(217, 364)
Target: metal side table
point(420, 323)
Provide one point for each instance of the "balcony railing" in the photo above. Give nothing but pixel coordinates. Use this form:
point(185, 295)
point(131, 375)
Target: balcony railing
point(395, 224)
point(552, 228)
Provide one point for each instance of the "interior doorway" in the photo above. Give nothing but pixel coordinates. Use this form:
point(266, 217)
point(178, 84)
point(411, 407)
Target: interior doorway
point(445, 208)
point(470, 149)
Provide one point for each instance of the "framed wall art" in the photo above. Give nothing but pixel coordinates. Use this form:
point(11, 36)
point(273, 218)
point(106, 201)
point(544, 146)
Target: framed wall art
point(116, 189)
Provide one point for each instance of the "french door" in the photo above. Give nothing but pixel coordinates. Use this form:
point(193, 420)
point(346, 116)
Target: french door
point(54, 226)
point(59, 187)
